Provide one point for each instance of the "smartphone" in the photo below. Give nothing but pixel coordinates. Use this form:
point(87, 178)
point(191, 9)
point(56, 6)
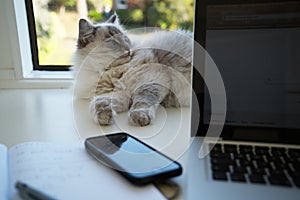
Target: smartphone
point(132, 158)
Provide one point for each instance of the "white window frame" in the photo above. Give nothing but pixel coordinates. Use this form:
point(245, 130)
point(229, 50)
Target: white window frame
point(24, 76)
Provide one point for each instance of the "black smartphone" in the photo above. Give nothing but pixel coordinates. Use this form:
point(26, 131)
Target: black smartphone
point(135, 160)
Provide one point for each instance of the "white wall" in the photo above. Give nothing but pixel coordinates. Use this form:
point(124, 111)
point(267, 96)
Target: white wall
point(6, 54)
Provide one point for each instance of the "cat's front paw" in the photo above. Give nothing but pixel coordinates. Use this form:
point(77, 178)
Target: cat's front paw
point(141, 117)
point(101, 111)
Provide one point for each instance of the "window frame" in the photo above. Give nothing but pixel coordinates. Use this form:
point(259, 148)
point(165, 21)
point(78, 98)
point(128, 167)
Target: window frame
point(34, 46)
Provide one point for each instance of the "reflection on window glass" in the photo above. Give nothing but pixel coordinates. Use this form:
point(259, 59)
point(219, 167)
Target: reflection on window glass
point(57, 21)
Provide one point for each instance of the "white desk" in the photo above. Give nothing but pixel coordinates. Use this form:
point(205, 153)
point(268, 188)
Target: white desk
point(48, 115)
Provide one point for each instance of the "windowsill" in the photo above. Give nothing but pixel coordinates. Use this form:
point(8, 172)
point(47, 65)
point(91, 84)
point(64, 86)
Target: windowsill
point(41, 79)
point(53, 75)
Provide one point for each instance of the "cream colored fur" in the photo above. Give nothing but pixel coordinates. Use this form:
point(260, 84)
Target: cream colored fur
point(120, 72)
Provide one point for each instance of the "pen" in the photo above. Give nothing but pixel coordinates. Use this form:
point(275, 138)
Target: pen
point(28, 193)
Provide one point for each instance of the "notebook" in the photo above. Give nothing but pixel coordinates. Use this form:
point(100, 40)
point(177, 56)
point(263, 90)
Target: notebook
point(255, 46)
point(64, 172)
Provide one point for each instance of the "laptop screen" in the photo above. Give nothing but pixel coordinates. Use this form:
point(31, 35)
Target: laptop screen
point(256, 47)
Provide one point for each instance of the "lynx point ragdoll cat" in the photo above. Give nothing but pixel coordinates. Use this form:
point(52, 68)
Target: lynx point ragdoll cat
point(121, 73)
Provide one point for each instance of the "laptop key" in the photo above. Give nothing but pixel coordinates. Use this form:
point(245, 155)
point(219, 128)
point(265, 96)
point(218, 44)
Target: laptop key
point(297, 182)
point(294, 174)
point(270, 157)
point(219, 155)
point(216, 148)
point(219, 176)
point(255, 178)
point(245, 148)
point(281, 150)
point(279, 180)
point(220, 161)
point(257, 157)
point(238, 177)
point(296, 177)
point(230, 148)
point(296, 166)
point(275, 173)
point(239, 169)
point(220, 168)
point(294, 153)
point(278, 165)
point(263, 164)
point(240, 156)
point(245, 162)
point(261, 150)
point(278, 177)
point(278, 153)
point(258, 171)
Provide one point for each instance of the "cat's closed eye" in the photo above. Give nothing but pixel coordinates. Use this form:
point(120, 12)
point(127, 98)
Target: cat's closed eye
point(113, 43)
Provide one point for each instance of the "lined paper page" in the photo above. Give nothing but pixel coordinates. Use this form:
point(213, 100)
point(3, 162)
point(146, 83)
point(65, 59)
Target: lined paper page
point(68, 172)
point(3, 172)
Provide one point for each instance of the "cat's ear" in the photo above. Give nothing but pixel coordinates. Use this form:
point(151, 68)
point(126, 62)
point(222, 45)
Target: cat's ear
point(114, 19)
point(85, 27)
point(86, 33)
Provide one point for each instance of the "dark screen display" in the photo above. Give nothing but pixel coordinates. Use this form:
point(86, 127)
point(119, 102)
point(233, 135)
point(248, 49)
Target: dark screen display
point(256, 49)
point(127, 154)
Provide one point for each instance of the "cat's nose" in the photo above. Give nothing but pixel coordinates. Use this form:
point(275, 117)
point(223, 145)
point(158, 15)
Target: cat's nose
point(128, 52)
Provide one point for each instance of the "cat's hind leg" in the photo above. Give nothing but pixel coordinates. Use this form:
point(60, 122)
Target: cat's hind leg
point(146, 99)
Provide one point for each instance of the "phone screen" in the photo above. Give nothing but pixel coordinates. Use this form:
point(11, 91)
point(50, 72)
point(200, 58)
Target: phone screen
point(133, 158)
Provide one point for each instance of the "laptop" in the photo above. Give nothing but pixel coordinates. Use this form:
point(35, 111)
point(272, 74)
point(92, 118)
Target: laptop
point(255, 45)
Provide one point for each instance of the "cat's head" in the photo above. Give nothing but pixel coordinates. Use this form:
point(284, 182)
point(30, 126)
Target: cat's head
point(107, 35)
point(99, 46)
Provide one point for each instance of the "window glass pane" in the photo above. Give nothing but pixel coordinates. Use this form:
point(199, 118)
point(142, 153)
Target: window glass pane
point(57, 21)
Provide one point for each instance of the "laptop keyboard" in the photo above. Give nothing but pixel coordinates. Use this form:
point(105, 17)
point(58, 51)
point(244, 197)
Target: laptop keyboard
point(256, 164)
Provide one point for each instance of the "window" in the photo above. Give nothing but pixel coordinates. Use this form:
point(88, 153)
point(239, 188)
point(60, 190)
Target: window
point(53, 24)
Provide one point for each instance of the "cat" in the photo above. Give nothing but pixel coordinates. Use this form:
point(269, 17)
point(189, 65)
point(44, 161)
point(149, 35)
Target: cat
point(121, 72)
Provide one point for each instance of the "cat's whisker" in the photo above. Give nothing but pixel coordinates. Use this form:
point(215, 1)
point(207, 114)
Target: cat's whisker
point(126, 21)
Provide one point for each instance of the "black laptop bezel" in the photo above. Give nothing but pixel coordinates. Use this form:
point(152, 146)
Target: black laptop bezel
point(230, 132)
